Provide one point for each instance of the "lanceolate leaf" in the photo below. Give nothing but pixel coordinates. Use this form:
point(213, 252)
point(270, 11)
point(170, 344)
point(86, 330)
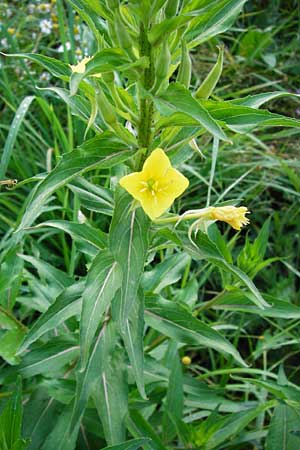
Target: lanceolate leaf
point(46, 359)
point(242, 119)
point(133, 444)
point(12, 135)
point(161, 30)
point(99, 357)
point(243, 302)
point(179, 99)
point(255, 101)
point(129, 244)
point(206, 249)
point(133, 339)
point(56, 67)
point(102, 152)
point(11, 422)
point(216, 18)
point(106, 60)
point(60, 438)
point(176, 322)
point(103, 280)
point(284, 422)
point(111, 399)
point(67, 304)
point(78, 231)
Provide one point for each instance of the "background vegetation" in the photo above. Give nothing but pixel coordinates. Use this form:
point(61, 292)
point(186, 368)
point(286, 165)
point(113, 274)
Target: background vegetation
point(224, 406)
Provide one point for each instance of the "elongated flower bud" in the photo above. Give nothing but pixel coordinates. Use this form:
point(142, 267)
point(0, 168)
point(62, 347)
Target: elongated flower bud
point(107, 110)
point(163, 62)
point(185, 69)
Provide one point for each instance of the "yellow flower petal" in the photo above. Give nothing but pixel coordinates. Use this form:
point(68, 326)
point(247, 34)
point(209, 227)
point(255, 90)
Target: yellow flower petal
point(133, 184)
point(175, 184)
point(157, 164)
point(157, 185)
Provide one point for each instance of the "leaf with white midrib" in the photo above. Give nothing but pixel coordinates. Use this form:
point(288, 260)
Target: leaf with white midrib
point(103, 280)
point(176, 321)
point(128, 239)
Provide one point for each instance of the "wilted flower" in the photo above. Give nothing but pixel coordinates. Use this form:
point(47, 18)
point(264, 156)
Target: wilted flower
point(235, 217)
point(80, 67)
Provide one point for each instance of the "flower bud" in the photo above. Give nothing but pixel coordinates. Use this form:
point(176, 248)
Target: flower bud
point(123, 36)
point(107, 110)
point(163, 62)
point(185, 69)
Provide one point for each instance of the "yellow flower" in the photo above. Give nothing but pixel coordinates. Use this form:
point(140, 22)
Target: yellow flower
point(157, 185)
point(80, 67)
point(235, 217)
point(11, 31)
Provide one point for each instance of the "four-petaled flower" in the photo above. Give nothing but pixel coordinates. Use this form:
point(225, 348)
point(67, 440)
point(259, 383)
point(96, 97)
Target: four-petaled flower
point(235, 217)
point(157, 185)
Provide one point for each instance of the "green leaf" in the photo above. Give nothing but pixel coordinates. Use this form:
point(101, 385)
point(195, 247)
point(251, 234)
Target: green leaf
point(60, 438)
point(175, 321)
point(160, 30)
point(174, 399)
point(66, 305)
point(101, 152)
point(92, 197)
point(215, 18)
point(166, 273)
point(128, 238)
point(79, 105)
point(179, 99)
point(80, 232)
point(206, 249)
point(46, 359)
point(99, 358)
point(238, 300)
point(56, 67)
point(106, 60)
point(13, 132)
point(234, 424)
point(104, 279)
point(255, 101)
point(139, 427)
point(9, 345)
point(133, 340)
point(59, 279)
point(243, 119)
point(11, 420)
point(284, 422)
point(111, 399)
point(133, 444)
point(208, 85)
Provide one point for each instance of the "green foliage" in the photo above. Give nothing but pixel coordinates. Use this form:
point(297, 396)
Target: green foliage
point(99, 305)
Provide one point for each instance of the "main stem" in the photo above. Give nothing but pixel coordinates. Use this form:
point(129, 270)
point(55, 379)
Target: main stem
point(146, 104)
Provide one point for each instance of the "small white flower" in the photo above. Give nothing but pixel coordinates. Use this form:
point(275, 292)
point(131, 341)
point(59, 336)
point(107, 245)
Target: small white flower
point(45, 76)
point(8, 12)
point(46, 26)
point(61, 47)
point(44, 8)
point(81, 217)
point(31, 8)
point(4, 43)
